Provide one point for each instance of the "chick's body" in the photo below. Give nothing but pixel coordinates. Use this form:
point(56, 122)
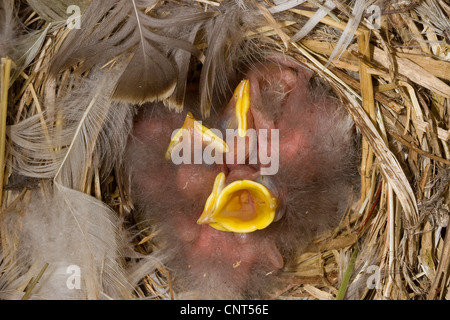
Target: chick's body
point(312, 184)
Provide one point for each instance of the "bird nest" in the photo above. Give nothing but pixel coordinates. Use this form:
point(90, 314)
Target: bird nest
point(388, 63)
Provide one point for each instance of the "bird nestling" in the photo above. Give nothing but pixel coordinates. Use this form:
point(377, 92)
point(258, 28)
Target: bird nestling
point(228, 227)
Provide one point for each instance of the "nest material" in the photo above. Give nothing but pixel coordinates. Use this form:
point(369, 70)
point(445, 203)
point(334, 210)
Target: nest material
point(393, 242)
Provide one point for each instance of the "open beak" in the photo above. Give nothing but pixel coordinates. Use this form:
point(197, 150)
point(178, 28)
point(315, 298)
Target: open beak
point(192, 127)
point(242, 206)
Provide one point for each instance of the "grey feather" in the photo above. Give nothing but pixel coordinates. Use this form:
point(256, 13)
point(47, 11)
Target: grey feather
point(122, 30)
point(8, 25)
point(227, 45)
point(55, 11)
point(76, 235)
point(22, 47)
point(67, 227)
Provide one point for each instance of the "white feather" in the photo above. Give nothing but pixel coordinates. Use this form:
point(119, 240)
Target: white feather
point(67, 227)
point(76, 235)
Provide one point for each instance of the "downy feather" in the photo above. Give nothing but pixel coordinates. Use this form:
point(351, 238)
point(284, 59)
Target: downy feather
point(225, 36)
point(8, 25)
point(16, 42)
point(67, 227)
point(76, 235)
point(182, 58)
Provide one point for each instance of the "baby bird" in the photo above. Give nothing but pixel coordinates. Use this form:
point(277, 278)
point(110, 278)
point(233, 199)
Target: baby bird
point(238, 196)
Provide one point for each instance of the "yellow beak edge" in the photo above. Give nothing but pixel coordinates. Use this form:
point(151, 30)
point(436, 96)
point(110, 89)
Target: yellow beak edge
point(242, 206)
point(242, 95)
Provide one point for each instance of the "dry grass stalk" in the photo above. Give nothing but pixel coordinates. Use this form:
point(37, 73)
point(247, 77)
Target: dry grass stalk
point(5, 72)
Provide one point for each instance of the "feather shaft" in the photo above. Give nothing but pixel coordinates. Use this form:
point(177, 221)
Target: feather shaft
point(77, 132)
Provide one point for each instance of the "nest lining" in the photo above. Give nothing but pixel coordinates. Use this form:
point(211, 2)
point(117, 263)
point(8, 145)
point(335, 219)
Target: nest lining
point(394, 80)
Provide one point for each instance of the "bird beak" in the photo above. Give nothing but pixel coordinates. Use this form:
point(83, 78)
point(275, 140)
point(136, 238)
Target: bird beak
point(242, 206)
point(242, 96)
point(192, 127)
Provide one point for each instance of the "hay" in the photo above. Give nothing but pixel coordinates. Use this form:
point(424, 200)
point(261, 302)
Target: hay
point(392, 243)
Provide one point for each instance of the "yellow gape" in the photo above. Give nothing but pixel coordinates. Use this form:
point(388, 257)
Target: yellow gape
point(242, 206)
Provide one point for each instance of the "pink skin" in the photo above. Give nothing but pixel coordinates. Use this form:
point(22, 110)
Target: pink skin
point(194, 182)
point(157, 134)
point(206, 242)
point(188, 185)
point(239, 250)
point(292, 82)
point(293, 85)
point(241, 172)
